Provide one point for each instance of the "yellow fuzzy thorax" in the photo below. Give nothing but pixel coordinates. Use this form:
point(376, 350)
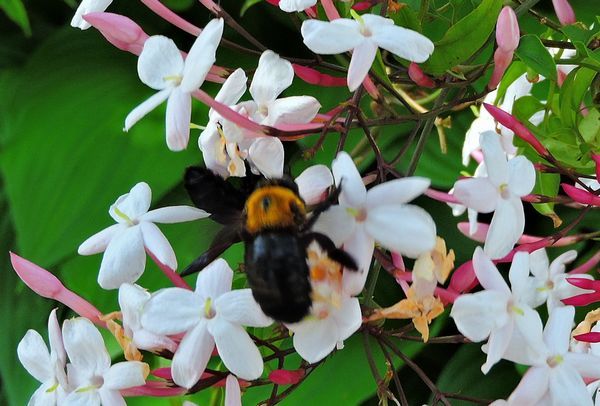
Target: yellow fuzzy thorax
point(271, 207)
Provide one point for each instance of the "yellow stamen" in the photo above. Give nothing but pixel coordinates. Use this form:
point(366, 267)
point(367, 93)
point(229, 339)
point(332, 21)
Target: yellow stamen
point(122, 215)
point(52, 388)
point(208, 308)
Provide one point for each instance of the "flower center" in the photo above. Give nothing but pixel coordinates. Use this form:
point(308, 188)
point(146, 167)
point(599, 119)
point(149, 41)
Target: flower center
point(209, 312)
point(554, 361)
point(95, 383)
point(512, 308)
point(364, 30)
point(174, 80)
point(124, 216)
point(504, 192)
point(359, 214)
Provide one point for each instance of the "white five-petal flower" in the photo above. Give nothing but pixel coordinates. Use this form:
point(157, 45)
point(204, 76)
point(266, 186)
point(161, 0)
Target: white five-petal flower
point(290, 6)
point(500, 191)
point(212, 314)
point(162, 67)
point(363, 36)
point(92, 378)
point(86, 7)
point(47, 367)
point(497, 312)
point(380, 214)
point(123, 243)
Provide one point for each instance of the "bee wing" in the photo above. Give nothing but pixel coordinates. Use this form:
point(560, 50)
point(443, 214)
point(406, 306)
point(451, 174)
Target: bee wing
point(224, 239)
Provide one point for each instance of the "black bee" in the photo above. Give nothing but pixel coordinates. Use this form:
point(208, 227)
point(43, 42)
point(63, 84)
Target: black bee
point(271, 218)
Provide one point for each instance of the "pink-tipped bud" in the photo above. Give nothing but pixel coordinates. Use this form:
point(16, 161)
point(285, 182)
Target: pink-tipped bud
point(591, 337)
point(502, 59)
point(362, 6)
point(517, 127)
point(285, 377)
point(596, 158)
point(564, 12)
point(419, 77)
point(314, 77)
point(119, 30)
point(463, 278)
point(507, 30)
point(581, 196)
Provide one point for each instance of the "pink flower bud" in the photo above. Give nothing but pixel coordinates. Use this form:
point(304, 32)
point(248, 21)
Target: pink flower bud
point(591, 337)
point(285, 377)
point(314, 77)
point(581, 196)
point(564, 12)
point(507, 30)
point(463, 278)
point(119, 30)
point(585, 298)
point(362, 6)
point(502, 59)
point(517, 127)
point(419, 77)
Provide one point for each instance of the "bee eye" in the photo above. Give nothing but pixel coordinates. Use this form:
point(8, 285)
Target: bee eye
point(265, 203)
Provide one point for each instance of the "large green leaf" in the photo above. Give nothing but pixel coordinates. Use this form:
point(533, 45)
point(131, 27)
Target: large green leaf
point(65, 158)
point(535, 55)
point(15, 10)
point(464, 38)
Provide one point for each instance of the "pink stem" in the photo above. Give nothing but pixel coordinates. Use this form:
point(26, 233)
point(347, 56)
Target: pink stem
point(173, 276)
point(482, 230)
point(228, 113)
point(330, 10)
point(441, 196)
point(164, 12)
point(446, 295)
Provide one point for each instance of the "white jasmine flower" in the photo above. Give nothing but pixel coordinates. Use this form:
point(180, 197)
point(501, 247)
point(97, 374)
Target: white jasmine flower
point(124, 243)
point(86, 7)
point(161, 67)
point(500, 191)
point(290, 6)
point(380, 214)
point(212, 314)
point(497, 312)
point(363, 36)
point(47, 367)
point(313, 183)
point(93, 380)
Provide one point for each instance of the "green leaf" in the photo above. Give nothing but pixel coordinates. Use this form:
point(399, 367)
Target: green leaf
point(65, 158)
point(535, 55)
point(406, 17)
point(464, 38)
point(514, 71)
point(547, 184)
point(589, 127)
point(247, 4)
point(526, 106)
point(572, 92)
point(15, 10)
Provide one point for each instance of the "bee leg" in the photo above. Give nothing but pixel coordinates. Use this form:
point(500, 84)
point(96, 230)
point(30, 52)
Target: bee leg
point(224, 239)
point(338, 255)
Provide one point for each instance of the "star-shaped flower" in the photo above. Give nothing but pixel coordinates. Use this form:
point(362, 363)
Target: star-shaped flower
point(363, 36)
point(161, 67)
point(124, 243)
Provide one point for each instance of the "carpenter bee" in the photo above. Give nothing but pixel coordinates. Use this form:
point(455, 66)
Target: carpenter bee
point(270, 217)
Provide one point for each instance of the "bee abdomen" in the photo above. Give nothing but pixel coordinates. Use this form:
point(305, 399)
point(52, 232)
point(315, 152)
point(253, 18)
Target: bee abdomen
point(278, 275)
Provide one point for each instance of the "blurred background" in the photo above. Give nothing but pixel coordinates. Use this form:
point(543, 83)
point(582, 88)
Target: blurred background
point(64, 159)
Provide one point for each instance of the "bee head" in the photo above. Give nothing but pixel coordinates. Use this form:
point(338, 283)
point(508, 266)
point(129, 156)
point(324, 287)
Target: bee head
point(274, 206)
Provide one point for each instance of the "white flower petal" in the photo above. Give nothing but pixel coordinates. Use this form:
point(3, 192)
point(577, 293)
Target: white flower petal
point(34, 356)
point(266, 153)
point(192, 355)
point(145, 340)
point(292, 110)
point(313, 183)
point(132, 204)
point(172, 311)
point(347, 177)
point(159, 61)
point(273, 76)
point(233, 395)
point(132, 299)
point(179, 111)
point(58, 355)
point(85, 346)
point(477, 193)
point(567, 387)
point(477, 314)
point(532, 388)
point(487, 273)
point(47, 395)
point(557, 266)
point(518, 274)
point(202, 56)
point(506, 227)
point(215, 279)
point(240, 307)
point(397, 191)
point(290, 6)
point(327, 38)
point(123, 375)
point(111, 397)
point(494, 158)
point(158, 245)
point(83, 398)
point(348, 317)
point(124, 259)
point(497, 344)
point(539, 264)
point(236, 349)
point(98, 242)
point(146, 107)
point(521, 176)
point(314, 339)
point(558, 329)
point(174, 214)
point(362, 59)
point(360, 247)
point(405, 43)
point(86, 7)
point(588, 365)
point(405, 229)
point(233, 88)
point(529, 325)
point(337, 224)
